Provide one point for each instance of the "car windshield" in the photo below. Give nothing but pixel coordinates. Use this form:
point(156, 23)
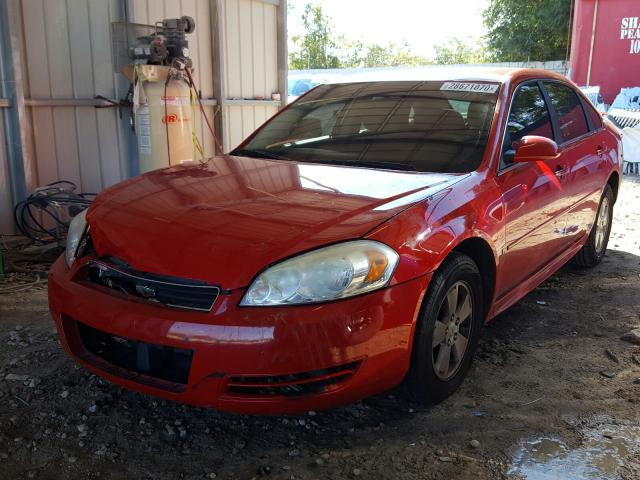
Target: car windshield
point(426, 126)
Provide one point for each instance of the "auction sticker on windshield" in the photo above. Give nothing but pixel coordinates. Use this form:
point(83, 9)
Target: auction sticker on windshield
point(470, 87)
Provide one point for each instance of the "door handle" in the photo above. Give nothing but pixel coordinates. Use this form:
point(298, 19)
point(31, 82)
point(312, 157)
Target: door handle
point(599, 149)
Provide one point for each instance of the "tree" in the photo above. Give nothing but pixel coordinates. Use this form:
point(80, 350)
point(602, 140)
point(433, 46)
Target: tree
point(375, 55)
point(456, 51)
point(317, 46)
point(527, 30)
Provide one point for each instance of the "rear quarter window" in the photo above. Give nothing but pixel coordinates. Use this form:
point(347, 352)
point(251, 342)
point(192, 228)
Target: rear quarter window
point(594, 115)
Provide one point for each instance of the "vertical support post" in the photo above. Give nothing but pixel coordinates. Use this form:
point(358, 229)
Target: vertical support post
point(22, 168)
point(217, 50)
point(283, 55)
point(122, 85)
point(593, 40)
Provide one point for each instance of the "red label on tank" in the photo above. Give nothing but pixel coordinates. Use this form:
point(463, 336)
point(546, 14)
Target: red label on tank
point(173, 118)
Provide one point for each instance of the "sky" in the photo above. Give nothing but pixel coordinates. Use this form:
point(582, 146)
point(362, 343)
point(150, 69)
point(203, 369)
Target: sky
point(422, 23)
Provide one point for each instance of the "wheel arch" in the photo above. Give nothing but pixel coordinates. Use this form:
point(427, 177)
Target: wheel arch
point(479, 250)
point(614, 183)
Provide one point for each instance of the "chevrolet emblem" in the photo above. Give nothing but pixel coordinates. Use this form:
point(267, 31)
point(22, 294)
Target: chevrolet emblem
point(146, 291)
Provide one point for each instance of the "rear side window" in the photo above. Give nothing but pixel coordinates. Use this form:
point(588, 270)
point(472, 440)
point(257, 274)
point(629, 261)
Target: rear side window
point(529, 114)
point(571, 118)
point(596, 118)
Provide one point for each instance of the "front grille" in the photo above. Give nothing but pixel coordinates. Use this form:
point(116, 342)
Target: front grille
point(296, 384)
point(138, 359)
point(169, 291)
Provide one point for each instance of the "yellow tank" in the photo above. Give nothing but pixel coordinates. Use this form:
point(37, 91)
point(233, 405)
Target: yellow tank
point(163, 117)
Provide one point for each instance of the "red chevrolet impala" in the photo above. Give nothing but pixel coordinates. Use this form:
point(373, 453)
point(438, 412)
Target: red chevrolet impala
point(357, 241)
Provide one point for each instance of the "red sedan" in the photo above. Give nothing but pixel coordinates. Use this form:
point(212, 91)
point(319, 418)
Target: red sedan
point(357, 241)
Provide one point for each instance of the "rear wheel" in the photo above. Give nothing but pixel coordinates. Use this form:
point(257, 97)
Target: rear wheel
point(447, 333)
point(592, 252)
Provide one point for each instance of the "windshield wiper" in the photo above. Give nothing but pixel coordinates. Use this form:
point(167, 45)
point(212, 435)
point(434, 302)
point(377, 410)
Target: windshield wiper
point(360, 163)
point(258, 153)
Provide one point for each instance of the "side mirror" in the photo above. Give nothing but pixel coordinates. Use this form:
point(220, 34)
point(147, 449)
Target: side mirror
point(533, 148)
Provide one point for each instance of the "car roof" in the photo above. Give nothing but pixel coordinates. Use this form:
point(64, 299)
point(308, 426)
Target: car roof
point(484, 74)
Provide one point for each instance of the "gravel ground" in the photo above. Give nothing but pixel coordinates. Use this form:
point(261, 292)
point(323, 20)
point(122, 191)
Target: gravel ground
point(549, 366)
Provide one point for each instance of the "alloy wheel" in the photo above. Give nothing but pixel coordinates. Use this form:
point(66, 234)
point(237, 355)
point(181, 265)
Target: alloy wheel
point(452, 330)
point(602, 224)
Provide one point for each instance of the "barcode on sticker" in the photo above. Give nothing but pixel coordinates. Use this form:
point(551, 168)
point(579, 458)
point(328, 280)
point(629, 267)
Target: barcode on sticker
point(470, 87)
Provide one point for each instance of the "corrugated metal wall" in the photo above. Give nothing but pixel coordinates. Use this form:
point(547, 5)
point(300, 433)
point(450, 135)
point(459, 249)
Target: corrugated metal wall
point(248, 55)
point(67, 56)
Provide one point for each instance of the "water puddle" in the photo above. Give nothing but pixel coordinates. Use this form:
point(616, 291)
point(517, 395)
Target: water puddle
point(602, 452)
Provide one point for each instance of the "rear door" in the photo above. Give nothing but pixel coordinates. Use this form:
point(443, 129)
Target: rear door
point(533, 193)
point(583, 148)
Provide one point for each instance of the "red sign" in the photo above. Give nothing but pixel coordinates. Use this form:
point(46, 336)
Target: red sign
point(605, 45)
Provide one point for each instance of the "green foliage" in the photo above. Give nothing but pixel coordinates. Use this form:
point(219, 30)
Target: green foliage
point(317, 46)
point(456, 51)
point(520, 30)
point(375, 55)
point(320, 48)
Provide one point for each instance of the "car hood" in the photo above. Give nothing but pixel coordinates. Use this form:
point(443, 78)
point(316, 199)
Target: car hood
point(225, 220)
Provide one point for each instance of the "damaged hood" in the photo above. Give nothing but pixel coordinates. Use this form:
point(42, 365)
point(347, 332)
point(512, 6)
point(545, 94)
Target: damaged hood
point(225, 220)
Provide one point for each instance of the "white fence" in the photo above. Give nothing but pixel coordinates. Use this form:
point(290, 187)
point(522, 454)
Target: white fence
point(557, 66)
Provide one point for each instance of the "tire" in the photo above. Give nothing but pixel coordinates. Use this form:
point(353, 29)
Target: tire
point(427, 381)
point(592, 252)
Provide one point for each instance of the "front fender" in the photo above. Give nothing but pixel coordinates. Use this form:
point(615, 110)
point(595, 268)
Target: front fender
point(426, 233)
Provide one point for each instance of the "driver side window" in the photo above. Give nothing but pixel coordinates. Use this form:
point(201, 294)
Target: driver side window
point(529, 116)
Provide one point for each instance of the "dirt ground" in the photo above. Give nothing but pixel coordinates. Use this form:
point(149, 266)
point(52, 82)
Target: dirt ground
point(552, 367)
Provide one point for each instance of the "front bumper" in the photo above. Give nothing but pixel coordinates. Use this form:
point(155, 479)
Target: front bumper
point(267, 360)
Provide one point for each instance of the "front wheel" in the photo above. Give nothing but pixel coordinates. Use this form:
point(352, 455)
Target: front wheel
point(447, 333)
point(592, 252)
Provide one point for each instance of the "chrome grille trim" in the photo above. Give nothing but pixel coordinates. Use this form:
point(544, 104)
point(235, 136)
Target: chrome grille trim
point(163, 290)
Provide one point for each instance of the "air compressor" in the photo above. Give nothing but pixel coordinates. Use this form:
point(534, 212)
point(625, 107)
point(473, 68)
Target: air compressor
point(162, 96)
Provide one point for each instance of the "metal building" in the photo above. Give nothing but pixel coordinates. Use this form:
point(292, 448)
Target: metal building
point(56, 57)
point(605, 45)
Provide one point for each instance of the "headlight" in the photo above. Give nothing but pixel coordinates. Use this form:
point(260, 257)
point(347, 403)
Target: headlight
point(74, 236)
point(329, 273)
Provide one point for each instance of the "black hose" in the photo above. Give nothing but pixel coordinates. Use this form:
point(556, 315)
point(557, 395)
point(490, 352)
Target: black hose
point(44, 206)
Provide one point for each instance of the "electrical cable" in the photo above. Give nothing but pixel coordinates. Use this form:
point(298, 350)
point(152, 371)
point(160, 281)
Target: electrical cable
point(47, 205)
point(166, 118)
point(197, 146)
point(194, 136)
point(204, 114)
